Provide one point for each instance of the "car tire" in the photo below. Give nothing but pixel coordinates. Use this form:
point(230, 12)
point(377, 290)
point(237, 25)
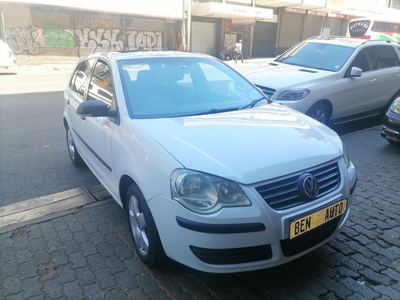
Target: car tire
point(74, 155)
point(320, 112)
point(146, 239)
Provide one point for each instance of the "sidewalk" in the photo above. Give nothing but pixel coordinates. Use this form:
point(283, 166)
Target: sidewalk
point(81, 248)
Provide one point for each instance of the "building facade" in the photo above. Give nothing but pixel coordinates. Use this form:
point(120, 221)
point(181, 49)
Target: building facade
point(42, 31)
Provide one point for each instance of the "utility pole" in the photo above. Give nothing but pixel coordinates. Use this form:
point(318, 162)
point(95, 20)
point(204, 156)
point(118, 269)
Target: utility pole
point(189, 25)
point(2, 27)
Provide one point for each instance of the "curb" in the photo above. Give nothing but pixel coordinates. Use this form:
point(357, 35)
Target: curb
point(51, 206)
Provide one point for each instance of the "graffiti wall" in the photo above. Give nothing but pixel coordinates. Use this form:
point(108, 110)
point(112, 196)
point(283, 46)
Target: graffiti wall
point(84, 34)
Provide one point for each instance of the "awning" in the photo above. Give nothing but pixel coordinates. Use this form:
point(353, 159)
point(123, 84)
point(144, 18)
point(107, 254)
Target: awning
point(228, 11)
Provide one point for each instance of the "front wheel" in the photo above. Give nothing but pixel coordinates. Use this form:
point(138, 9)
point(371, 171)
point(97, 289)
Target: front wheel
point(143, 229)
point(319, 112)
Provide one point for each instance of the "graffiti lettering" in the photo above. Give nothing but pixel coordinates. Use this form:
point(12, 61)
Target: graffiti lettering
point(91, 41)
point(30, 39)
point(147, 40)
point(23, 39)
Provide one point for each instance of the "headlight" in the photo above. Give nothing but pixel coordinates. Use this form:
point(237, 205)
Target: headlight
point(293, 95)
point(346, 156)
point(204, 193)
point(395, 107)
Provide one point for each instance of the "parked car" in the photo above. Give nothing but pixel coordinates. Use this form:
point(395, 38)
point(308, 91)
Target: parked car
point(211, 173)
point(391, 123)
point(7, 58)
point(333, 80)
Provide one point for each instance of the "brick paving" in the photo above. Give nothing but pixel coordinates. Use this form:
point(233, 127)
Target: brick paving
point(87, 252)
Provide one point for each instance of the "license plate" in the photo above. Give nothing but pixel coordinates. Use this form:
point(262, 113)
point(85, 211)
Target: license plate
point(312, 221)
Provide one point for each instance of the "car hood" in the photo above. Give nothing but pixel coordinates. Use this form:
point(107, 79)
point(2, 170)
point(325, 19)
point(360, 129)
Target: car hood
point(246, 146)
point(278, 76)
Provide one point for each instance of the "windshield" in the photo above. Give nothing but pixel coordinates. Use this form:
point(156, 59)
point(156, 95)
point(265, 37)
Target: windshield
point(321, 56)
point(180, 86)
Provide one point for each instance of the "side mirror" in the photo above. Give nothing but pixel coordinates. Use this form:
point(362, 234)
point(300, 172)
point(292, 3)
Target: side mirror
point(94, 108)
point(355, 72)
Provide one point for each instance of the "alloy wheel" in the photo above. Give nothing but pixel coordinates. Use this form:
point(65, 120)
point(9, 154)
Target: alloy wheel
point(138, 226)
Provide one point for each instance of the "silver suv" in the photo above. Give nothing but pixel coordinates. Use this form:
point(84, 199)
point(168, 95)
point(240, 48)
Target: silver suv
point(333, 80)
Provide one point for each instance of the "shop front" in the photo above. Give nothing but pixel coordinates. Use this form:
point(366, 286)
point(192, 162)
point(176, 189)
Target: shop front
point(297, 24)
point(217, 27)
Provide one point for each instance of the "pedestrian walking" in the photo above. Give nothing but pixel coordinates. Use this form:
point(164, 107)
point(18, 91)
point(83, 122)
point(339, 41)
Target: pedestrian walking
point(238, 51)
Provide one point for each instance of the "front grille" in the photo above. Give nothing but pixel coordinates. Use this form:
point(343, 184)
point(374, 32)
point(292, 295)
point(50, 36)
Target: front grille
point(232, 256)
point(284, 194)
point(267, 91)
point(309, 239)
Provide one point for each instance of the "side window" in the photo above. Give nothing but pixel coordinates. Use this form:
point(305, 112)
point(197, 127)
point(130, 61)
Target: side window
point(386, 57)
point(363, 60)
point(80, 79)
point(100, 86)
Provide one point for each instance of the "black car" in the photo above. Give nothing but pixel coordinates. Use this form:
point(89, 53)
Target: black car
point(391, 123)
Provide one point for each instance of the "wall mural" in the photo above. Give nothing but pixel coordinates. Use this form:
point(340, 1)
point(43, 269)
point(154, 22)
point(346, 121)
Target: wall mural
point(30, 39)
point(55, 36)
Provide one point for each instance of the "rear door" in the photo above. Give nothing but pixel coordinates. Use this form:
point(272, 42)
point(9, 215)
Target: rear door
point(387, 73)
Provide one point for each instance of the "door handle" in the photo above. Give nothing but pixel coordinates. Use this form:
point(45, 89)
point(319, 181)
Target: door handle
point(372, 80)
point(68, 102)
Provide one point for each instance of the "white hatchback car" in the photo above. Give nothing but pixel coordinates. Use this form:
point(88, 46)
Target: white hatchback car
point(7, 58)
point(333, 80)
point(211, 174)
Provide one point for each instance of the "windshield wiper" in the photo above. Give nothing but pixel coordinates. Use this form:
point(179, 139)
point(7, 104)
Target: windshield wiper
point(215, 111)
point(254, 102)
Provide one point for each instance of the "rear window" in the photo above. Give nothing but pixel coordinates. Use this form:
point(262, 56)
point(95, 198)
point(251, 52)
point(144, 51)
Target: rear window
point(359, 28)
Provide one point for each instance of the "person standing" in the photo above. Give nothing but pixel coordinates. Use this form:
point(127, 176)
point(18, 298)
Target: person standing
point(238, 51)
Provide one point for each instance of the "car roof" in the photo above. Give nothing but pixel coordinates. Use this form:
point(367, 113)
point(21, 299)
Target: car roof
point(129, 54)
point(346, 41)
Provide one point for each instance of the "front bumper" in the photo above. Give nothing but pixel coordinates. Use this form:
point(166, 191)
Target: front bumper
point(245, 238)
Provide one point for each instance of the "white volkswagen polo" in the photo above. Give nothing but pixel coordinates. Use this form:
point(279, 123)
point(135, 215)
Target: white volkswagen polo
point(211, 173)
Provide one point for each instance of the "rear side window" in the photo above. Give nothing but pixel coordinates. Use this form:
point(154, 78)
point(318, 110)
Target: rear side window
point(80, 78)
point(386, 57)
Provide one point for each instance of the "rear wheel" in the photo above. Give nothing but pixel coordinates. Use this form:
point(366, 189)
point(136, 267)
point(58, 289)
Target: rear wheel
point(75, 157)
point(143, 229)
point(320, 112)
